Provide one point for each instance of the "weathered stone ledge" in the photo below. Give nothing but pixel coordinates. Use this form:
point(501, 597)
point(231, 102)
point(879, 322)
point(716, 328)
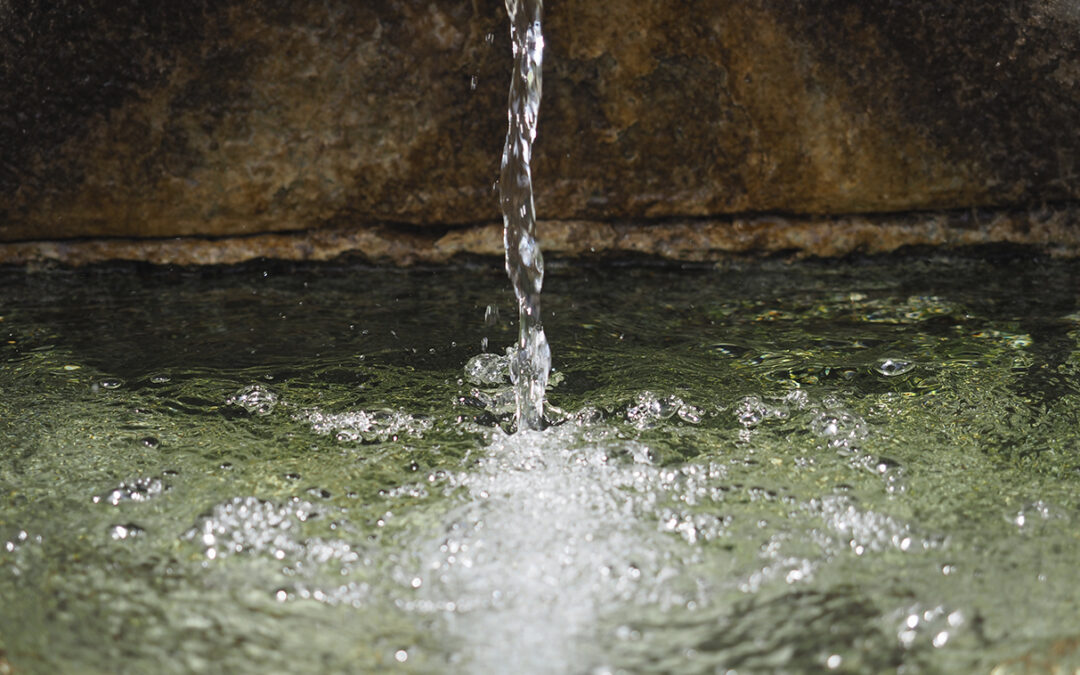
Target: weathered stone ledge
point(1054, 231)
point(231, 118)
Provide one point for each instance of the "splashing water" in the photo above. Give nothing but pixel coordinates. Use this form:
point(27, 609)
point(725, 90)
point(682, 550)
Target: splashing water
point(524, 262)
point(863, 467)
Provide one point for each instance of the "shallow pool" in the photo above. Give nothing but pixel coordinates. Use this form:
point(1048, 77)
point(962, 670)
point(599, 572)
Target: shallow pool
point(863, 466)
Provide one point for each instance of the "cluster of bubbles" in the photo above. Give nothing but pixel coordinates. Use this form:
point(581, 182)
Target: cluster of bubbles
point(834, 425)
point(252, 526)
point(937, 625)
point(255, 399)
point(650, 410)
point(137, 490)
point(21, 538)
point(364, 426)
point(546, 529)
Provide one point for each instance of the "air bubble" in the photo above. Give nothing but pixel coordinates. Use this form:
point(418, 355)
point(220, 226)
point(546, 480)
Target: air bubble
point(127, 531)
point(893, 367)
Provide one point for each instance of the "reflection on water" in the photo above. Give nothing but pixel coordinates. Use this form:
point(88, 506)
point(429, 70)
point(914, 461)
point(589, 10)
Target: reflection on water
point(858, 467)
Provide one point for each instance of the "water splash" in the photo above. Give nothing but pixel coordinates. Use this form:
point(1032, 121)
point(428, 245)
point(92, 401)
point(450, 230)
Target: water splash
point(524, 261)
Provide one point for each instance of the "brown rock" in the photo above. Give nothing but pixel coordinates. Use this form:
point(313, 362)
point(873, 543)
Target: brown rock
point(148, 118)
point(1054, 232)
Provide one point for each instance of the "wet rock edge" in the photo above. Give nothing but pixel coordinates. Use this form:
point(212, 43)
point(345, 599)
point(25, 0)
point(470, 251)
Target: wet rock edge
point(1049, 230)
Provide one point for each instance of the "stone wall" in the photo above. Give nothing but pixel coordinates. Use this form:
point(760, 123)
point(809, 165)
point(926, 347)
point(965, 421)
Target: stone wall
point(144, 118)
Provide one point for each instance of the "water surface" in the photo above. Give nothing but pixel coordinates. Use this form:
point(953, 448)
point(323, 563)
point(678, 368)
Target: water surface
point(865, 466)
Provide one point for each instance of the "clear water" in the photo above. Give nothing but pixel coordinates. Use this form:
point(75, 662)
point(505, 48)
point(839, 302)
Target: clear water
point(866, 466)
point(530, 360)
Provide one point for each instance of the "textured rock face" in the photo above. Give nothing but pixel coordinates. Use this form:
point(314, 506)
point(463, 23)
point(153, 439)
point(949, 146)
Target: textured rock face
point(149, 118)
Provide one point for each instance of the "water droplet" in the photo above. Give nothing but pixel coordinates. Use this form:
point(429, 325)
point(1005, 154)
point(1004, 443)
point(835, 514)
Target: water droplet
point(150, 442)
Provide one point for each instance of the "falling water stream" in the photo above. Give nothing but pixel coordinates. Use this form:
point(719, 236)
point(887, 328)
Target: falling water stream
point(531, 360)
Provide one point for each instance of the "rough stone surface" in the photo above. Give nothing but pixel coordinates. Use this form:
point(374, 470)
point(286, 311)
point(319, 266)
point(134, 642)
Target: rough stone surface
point(148, 118)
